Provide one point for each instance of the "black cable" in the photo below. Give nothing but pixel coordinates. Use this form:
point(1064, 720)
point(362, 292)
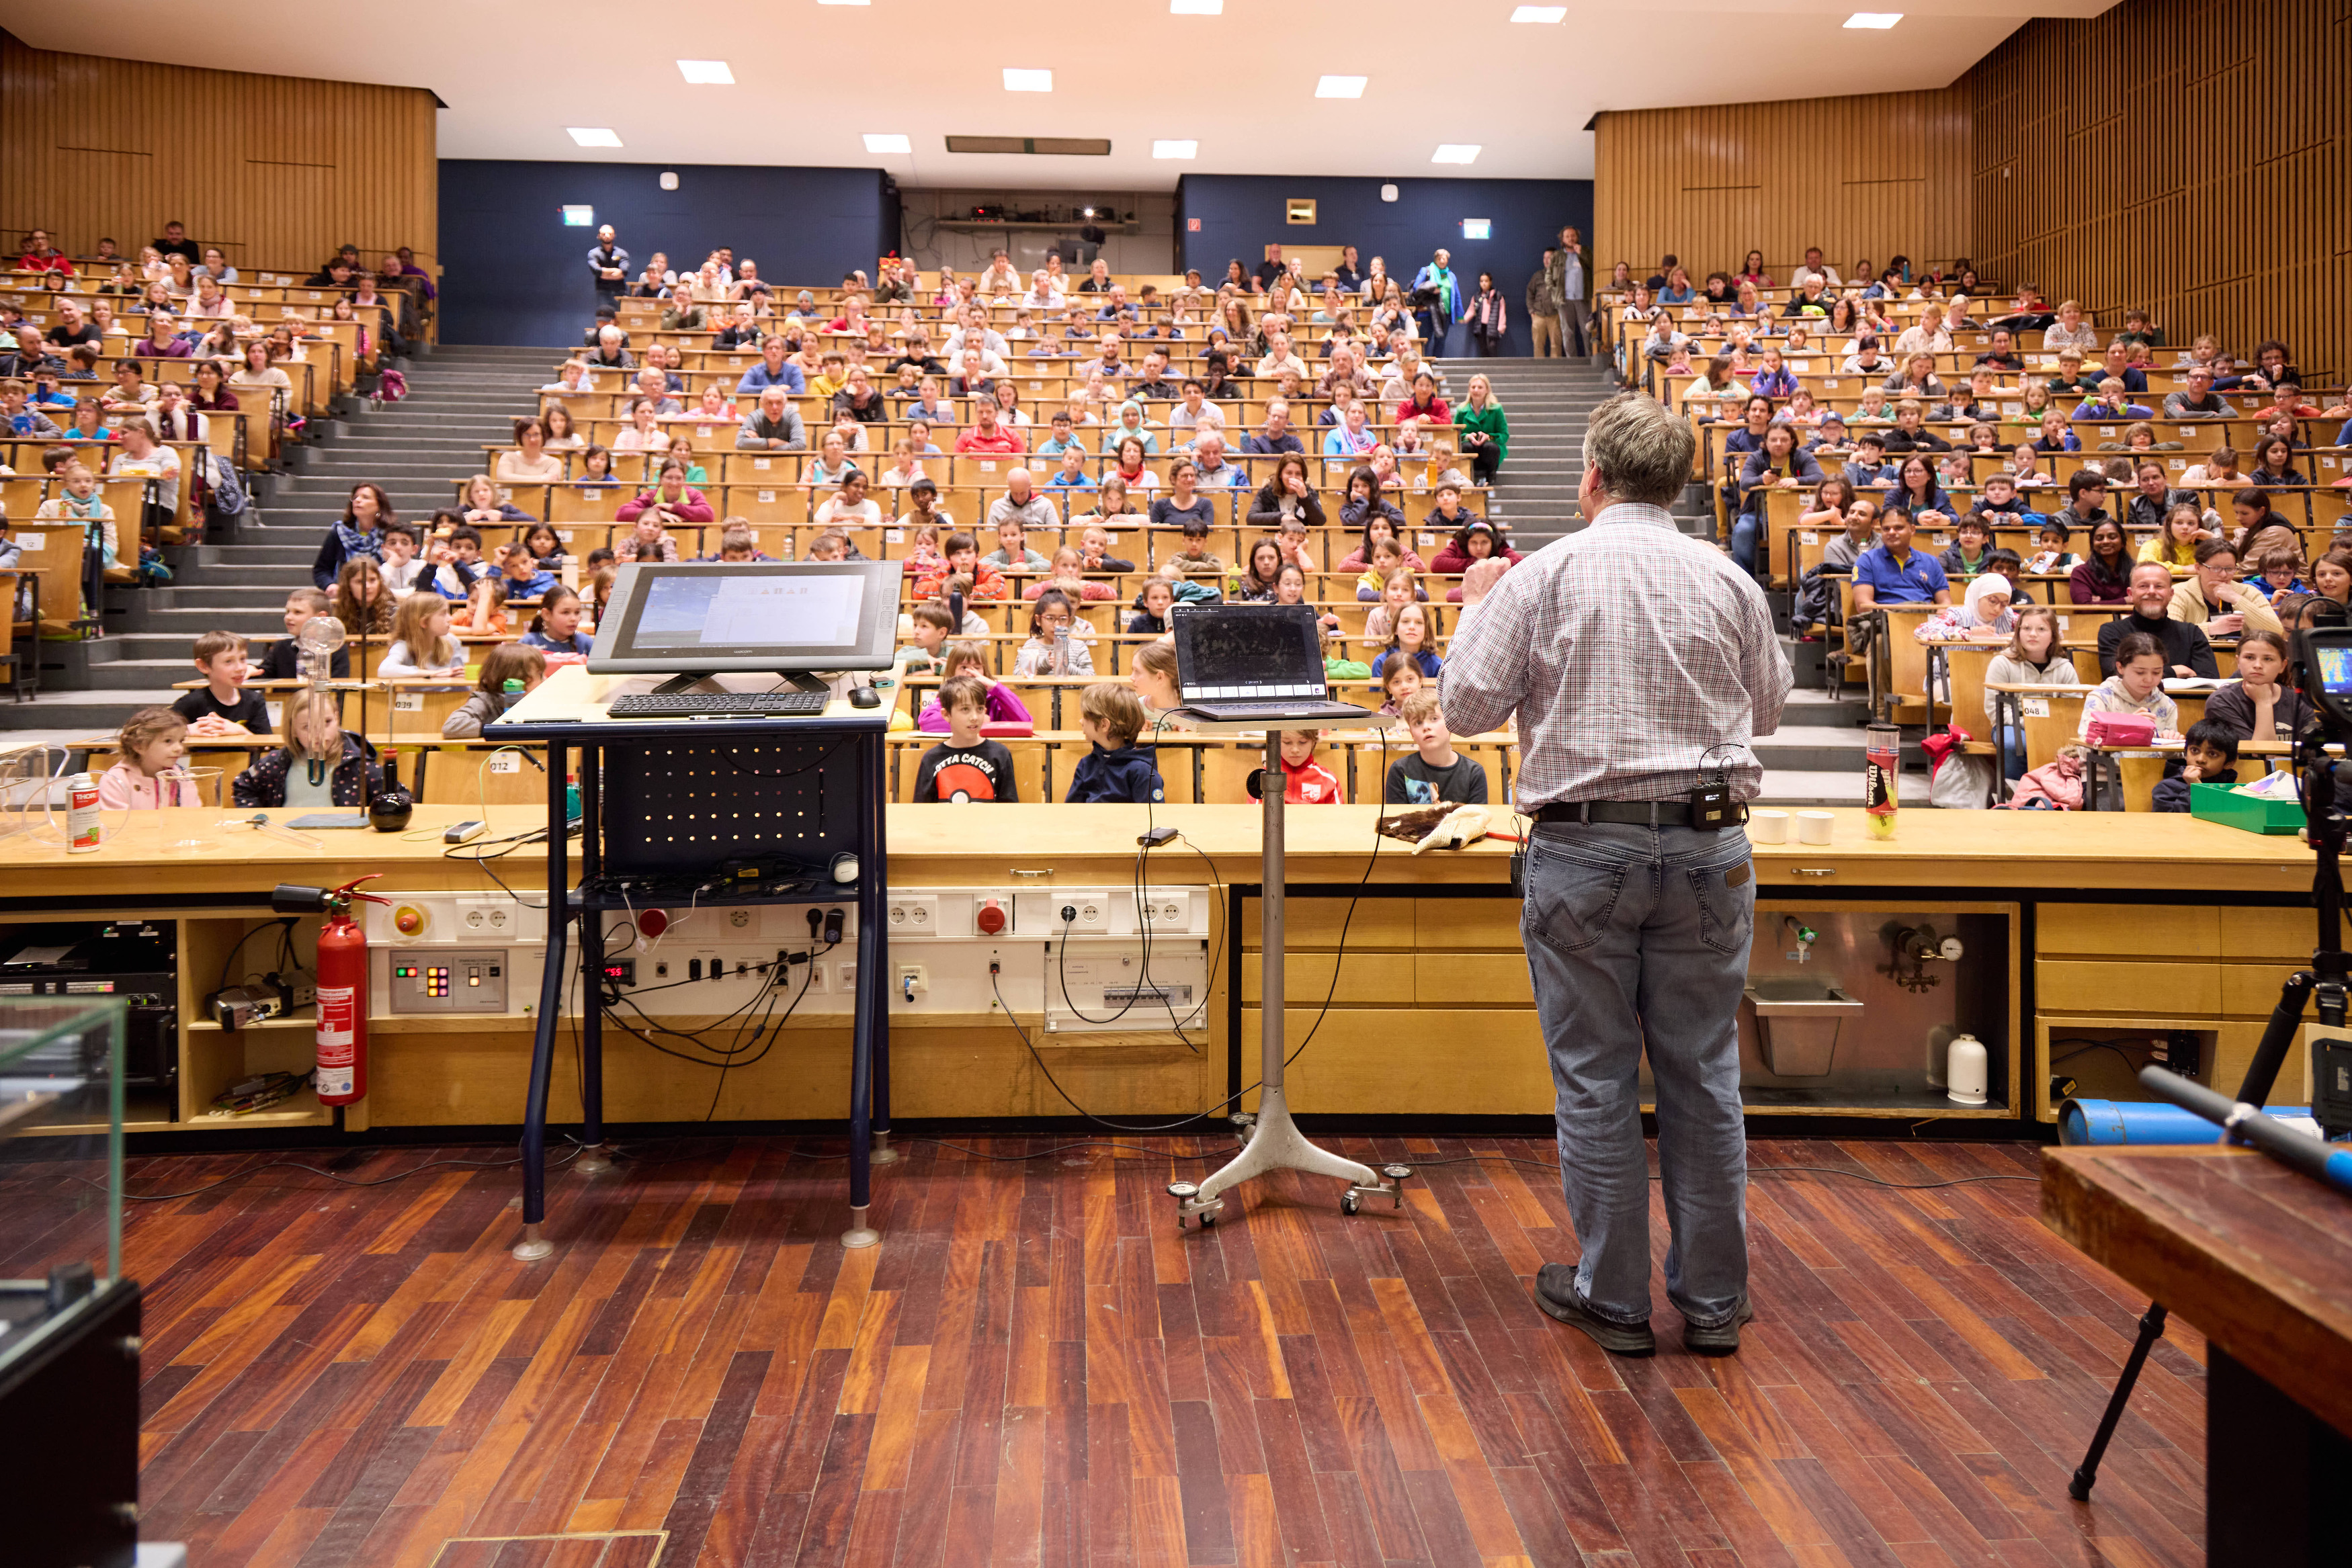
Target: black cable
point(1339, 952)
point(285, 925)
point(1099, 1121)
point(2088, 1046)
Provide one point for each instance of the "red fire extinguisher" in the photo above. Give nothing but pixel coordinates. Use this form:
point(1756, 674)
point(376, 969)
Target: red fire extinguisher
point(342, 970)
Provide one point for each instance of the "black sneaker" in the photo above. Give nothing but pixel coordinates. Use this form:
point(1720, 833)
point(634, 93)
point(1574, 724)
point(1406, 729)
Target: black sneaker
point(1723, 1339)
point(1556, 1294)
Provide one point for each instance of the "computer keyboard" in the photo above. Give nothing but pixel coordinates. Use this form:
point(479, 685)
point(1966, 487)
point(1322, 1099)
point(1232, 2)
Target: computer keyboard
point(723, 705)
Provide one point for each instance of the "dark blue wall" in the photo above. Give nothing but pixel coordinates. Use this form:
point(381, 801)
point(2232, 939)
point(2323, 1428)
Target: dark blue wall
point(512, 272)
point(1240, 215)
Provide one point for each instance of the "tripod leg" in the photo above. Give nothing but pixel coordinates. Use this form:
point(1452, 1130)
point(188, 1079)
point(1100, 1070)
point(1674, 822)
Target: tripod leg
point(2278, 1038)
point(2086, 1474)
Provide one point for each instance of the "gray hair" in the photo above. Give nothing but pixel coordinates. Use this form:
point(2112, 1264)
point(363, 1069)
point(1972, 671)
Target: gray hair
point(1642, 450)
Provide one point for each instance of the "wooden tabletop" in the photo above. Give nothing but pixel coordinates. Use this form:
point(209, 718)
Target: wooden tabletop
point(2258, 1256)
point(1946, 851)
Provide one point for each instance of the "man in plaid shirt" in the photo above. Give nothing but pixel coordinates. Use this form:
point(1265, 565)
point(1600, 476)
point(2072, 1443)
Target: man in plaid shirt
point(1635, 658)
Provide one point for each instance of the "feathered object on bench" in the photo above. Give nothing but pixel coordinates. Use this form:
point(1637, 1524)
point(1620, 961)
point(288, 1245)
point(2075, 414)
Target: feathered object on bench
point(1438, 827)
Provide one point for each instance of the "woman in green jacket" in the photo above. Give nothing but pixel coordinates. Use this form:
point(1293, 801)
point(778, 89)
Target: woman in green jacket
point(1485, 430)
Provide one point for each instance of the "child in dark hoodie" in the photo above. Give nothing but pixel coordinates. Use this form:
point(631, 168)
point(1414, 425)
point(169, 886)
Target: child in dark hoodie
point(2208, 755)
point(1112, 716)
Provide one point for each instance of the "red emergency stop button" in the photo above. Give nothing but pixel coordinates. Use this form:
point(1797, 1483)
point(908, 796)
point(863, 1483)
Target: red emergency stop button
point(990, 918)
point(408, 920)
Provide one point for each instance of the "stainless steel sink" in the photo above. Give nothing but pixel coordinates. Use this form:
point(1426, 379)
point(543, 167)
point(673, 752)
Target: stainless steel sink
point(1797, 1023)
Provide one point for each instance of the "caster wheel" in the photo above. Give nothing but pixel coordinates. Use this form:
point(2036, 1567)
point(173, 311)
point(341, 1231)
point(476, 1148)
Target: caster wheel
point(1207, 1220)
point(1349, 1204)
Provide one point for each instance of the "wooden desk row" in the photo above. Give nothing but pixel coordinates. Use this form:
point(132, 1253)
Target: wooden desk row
point(1431, 1013)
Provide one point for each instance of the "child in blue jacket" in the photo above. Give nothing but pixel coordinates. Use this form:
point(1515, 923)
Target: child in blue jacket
point(1112, 716)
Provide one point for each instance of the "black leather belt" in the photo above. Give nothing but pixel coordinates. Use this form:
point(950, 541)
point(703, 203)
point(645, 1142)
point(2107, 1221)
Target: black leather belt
point(1644, 814)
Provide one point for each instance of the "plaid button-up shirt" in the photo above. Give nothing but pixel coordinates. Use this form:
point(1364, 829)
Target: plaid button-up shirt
point(1627, 650)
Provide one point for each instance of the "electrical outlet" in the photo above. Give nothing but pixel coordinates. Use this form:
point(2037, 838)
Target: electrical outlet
point(913, 915)
point(846, 982)
point(1167, 911)
point(1085, 911)
point(911, 979)
point(816, 978)
point(739, 918)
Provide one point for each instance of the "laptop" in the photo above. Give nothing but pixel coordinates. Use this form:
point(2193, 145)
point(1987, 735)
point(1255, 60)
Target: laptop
point(1256, 664)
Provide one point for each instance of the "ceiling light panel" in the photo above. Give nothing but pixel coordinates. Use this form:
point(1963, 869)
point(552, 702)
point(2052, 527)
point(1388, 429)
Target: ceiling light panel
point(594, 135)
point(1457, 152)
point(1880, 20)
point(1019, 81)
point(884, 142)
point(1340, 87)
point(1175, 150)
point(1196, 7)
point(1540, 14)
point(707, 73)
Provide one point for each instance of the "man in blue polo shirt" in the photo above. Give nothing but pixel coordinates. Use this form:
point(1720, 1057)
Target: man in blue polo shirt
point(1891, 572)
point(773, 371)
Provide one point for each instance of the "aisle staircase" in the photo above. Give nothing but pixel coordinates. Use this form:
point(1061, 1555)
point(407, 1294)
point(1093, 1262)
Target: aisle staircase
point(459, 399)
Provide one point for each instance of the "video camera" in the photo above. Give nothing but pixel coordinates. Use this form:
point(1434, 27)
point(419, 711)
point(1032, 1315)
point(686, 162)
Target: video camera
point(2320, 636)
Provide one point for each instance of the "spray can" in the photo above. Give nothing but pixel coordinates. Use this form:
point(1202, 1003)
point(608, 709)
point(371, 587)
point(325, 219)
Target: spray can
point(1881, 778)
point(82, 830)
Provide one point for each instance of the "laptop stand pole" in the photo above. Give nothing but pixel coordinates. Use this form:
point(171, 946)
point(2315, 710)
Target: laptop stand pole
point(1275, 1143)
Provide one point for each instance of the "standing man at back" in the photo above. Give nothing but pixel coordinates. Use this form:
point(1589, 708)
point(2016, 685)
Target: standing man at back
point(608, 264)
point(1568, 282)
point(1637, 922)
point(1543, 312)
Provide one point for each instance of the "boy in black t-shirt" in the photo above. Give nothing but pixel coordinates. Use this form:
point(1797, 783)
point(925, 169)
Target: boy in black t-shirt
point(966, 767)
point(1437, 773)
point(283, 659)
point(223, 704)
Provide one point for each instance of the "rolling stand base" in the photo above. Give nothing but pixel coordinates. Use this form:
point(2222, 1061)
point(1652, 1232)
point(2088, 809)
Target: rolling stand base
point(859, 1233)
point(1276, 1143)
point(533, 1247)
point(592, 1160)
point(884, 1154)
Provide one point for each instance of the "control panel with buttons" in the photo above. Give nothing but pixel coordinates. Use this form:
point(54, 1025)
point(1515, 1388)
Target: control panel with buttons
point(442, 980)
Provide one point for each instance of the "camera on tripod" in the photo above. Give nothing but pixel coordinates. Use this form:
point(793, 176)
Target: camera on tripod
point(2321, 672)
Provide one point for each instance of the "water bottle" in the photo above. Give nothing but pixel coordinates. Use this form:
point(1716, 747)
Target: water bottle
point(509, 694)
point(1062, 651)
point(1881, 778)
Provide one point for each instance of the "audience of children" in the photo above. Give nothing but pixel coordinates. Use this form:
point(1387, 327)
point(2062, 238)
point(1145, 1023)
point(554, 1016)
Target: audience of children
point(2208, 755)
point(555, 629)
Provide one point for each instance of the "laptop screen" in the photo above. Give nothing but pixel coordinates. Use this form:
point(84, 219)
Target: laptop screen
point(1245, 651)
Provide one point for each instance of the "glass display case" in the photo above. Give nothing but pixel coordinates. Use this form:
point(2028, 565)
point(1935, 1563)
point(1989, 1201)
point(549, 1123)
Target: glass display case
point(69, 1344)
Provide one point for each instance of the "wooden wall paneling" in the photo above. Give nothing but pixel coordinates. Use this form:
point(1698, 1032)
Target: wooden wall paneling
point(2122, 190)
point(277, 170)
point(1861, 176)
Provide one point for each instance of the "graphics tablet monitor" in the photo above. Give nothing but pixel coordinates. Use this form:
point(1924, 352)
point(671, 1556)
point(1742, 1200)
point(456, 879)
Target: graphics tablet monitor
point(715, 617)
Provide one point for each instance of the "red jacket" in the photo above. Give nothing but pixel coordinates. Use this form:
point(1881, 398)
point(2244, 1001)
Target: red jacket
point(987, 582)
point(1310, 785)
point(1452, 561)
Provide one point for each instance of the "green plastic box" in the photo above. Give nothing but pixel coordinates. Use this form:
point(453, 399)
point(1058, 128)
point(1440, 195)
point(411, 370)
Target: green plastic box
point(2222, 803)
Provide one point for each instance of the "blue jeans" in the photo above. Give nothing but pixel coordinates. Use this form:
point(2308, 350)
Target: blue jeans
point(1744, 530)
point(2010, 739)
point(1637, 933)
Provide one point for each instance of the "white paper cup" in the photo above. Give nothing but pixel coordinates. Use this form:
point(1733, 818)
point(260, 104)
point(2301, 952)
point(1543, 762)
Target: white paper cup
point(1768, 827)
point(1813, 827)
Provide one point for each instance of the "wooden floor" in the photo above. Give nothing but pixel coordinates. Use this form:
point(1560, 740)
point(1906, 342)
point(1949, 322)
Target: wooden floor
point(1034, 1368)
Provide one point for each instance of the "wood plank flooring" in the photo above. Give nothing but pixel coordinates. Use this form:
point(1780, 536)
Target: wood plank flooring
point(1036, 1369)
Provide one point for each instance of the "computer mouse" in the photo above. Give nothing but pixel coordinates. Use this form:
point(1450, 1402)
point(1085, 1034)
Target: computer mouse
point(865, 697)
